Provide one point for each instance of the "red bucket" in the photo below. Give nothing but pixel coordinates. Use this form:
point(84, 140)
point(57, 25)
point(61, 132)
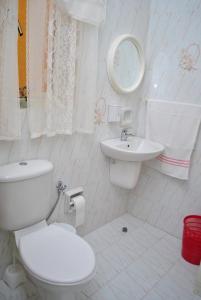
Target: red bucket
point(191, 243)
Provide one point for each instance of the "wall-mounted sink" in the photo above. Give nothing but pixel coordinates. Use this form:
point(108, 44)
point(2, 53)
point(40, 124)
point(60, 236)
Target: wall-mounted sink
point(134, 149)
point(126, 158)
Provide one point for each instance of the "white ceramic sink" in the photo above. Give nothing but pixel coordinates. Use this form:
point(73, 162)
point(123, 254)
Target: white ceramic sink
point(127, 157)
point(134, 149)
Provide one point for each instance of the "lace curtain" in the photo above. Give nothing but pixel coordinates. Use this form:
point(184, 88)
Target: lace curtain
point(62, 52)
point(51, 61)
point(37, 14)
point(10, 125)
point(86, 79)
point(60, 72)
point(90, 14)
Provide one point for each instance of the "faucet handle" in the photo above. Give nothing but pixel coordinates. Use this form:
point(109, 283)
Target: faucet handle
point(125, 134)
point(131, 134)
point(124, 130)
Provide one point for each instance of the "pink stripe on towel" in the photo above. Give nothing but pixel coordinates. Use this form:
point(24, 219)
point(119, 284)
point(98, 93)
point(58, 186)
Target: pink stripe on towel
point(173, 161)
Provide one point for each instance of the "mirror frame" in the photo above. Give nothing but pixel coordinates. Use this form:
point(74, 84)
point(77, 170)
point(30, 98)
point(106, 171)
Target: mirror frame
point(110, 63)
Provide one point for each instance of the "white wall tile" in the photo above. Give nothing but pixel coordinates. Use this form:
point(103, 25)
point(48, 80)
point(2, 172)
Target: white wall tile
point(77, 159)
point(174, 27)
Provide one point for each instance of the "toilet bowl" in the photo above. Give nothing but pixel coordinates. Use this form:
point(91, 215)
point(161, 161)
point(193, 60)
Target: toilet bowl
point(57, 260)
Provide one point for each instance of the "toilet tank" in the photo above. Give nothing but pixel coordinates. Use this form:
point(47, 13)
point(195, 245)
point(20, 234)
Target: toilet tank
point(25, 190)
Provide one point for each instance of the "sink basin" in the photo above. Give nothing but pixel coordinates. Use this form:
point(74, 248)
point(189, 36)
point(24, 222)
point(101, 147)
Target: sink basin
point(126, 158)
point(134, 149)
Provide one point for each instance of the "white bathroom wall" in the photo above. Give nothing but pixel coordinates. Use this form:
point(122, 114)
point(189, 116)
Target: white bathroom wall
point(77, 159)
point(173, 73)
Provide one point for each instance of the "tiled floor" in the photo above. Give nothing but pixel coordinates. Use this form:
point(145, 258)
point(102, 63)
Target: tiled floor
point(144, 263)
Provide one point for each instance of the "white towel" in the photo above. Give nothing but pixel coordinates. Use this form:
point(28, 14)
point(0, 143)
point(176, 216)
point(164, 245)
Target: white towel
point(175, 125)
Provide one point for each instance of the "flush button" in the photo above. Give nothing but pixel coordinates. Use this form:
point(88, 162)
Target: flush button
point(23, 163)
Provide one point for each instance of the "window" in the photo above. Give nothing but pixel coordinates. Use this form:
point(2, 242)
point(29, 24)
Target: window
point(22, 52)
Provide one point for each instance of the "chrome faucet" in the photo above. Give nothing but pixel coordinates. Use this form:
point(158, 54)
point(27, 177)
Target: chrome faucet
point(125, 134)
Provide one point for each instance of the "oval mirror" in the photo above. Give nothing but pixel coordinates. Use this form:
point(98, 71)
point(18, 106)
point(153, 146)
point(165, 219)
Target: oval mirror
point(125, 64)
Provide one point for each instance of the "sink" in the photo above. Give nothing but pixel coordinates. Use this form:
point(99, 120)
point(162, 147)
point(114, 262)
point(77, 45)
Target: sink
point(134, 149)
point(126, 158)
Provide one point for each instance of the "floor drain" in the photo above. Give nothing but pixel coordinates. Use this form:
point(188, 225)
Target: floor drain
point(124, 229)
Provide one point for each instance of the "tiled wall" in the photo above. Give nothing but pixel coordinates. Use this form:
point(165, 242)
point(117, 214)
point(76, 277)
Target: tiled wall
point(78, 159)
point(173, 73)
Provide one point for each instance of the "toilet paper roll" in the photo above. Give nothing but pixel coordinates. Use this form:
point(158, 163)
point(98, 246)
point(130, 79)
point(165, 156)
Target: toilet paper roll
point(79, 204)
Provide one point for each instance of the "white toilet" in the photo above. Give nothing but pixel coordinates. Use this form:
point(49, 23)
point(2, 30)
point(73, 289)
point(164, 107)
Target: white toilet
point(56, 258)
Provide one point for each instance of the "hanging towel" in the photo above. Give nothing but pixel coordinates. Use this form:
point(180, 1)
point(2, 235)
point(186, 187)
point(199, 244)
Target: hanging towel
point(175, 126)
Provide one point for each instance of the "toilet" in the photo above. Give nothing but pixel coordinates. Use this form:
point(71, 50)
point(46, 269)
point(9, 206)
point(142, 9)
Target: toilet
point(57, 260)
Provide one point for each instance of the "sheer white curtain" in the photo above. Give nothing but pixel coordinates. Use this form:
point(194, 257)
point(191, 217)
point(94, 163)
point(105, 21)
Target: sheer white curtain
point(51, 57)
point(37, 14)
point(10, 124)
point(60, 72)
point(90, 14)
point(62, 65)
point(86, 78)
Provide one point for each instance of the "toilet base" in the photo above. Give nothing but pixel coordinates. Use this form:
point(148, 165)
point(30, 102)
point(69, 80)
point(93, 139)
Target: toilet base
point(59, 296)
point(53, 292)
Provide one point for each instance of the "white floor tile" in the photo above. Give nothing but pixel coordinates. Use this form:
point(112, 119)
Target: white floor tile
point(145, 276)
point(131, 246)
point(154, 231)
point(96, 241)
point(105, 293)
point(192, 269)
point(157, 262)
point(196, 297)
point(110, 234)
point(104, 270)
point(91, 288)
point(168, 251)
point(117, 257)
point(182, 277)
point(144, 238)
point(144, 263)
point(152, 295)
point(125, 288)
point(81, 296)
point(127, 221)
point(173, 241)
point(167, 288)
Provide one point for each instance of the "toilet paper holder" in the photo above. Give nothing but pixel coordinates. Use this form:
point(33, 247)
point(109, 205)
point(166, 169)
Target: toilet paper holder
point(70, 194)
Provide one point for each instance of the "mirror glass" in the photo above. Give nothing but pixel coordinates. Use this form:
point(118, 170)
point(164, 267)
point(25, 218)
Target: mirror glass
point(125, 64)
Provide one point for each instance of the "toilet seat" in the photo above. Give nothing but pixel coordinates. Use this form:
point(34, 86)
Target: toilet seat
point(57, 256)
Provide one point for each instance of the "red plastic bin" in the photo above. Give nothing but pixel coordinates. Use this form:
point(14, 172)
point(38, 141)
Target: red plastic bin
point(191, 242)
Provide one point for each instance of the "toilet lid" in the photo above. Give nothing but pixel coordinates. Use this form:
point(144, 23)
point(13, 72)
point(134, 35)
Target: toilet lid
point(56, 255)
